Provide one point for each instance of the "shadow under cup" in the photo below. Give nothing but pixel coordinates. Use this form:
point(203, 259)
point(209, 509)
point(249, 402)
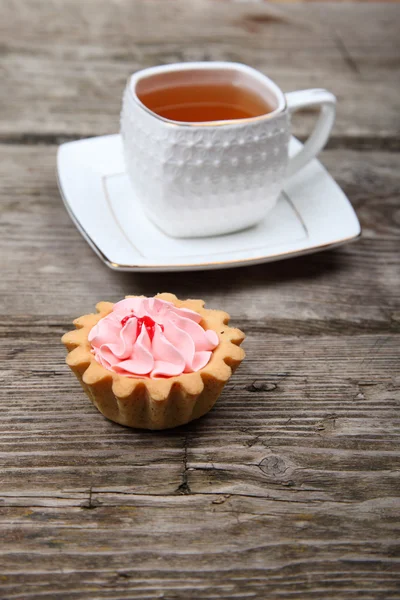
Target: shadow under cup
point(220, 171)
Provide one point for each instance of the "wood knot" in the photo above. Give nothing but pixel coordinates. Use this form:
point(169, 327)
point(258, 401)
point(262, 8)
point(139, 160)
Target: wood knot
point(261, 386)
point(273, 465)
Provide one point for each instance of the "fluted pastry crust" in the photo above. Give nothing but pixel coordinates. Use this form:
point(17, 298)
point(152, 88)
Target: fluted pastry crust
point(159, 403)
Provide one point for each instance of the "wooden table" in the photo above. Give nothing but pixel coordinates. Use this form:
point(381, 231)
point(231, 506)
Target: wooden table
point(289, 488)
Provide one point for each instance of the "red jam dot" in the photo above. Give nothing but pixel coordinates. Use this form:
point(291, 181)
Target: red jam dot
point(125, 320)
point(145, 321)
point(149, 324)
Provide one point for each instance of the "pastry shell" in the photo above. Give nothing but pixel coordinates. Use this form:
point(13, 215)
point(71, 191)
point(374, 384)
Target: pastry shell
point(159, 403)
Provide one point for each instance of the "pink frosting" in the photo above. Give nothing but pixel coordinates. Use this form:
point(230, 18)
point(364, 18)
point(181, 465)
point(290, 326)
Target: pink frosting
point(151, 337)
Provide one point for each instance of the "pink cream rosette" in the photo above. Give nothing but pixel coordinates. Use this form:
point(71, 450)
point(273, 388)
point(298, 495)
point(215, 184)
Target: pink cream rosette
point(151, 337)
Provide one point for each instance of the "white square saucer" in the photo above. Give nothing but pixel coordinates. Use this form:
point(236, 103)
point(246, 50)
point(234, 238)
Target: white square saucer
point(312, 214)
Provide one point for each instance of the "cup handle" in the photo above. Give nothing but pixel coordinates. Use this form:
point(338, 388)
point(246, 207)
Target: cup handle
point(318, 138)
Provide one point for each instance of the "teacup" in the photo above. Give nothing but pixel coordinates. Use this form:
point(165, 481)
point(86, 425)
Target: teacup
point(214, 177)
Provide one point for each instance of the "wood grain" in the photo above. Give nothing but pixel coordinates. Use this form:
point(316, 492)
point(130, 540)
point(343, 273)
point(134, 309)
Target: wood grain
point(354, 287)
point(65, 64)
point(290, 483)
point(289, 488)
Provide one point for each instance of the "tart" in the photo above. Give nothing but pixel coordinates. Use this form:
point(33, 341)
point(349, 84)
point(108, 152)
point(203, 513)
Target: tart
point(153, 363)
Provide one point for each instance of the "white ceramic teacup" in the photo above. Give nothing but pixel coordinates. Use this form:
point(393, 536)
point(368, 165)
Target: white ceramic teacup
point(209, 178)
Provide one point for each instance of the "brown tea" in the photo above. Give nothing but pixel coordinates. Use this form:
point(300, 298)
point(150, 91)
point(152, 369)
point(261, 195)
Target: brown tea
point(195, 103)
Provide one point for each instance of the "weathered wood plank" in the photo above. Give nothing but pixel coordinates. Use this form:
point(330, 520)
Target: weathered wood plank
point(131, 550)
point(307, 418)
point(320, 293)
point(289, 486)
point(65, 64)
